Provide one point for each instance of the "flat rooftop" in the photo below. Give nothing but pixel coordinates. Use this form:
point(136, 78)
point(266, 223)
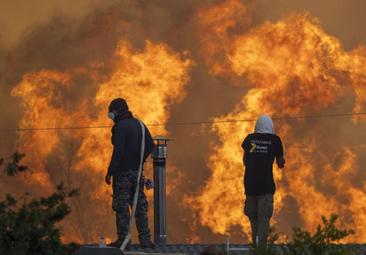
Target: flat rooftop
point(195, 249)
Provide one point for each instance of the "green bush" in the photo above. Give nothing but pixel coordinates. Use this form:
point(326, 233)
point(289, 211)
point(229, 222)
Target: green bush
point(325, 241)
point(29, 227)
point(13, 166)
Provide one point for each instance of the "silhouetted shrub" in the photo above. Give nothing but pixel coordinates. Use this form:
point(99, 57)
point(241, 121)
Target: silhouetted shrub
point(325, 241)
point(29, 227)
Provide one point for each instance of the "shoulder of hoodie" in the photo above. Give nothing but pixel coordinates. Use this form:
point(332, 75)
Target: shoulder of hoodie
point(123, 124)
point(274, 136)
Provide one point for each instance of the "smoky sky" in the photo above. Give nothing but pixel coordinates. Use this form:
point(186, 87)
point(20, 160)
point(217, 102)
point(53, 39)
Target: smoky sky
point(339, 18)
point(61, 35)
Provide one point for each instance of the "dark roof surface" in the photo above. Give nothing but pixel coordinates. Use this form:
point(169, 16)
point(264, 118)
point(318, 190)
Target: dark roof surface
point(195, 249)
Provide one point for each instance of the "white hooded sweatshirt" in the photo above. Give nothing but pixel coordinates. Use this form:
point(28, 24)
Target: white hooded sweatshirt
point(264, 125)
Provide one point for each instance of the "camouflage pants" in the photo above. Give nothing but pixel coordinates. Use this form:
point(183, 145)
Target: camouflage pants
point(259, 210)
point(124, 186)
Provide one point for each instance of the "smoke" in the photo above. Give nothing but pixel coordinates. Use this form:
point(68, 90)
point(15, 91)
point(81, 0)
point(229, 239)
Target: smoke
point(339, 18)
point(60, 67)
point(294, 68)
point(16, 17)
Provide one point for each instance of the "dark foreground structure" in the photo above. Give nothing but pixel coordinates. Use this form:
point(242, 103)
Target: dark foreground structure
point(196, 249)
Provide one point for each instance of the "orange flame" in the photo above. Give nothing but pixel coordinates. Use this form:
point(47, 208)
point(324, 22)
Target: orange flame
point(215, 26)
point(295, 69)
point(290, 67)
point(151, 80)
point(43, 108)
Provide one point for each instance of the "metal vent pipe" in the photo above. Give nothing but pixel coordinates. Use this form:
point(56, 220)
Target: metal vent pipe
point(159, 156)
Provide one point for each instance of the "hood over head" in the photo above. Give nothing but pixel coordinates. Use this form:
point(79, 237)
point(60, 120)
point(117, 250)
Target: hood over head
point(118, 110)
point(264, 125)
point(119, 105)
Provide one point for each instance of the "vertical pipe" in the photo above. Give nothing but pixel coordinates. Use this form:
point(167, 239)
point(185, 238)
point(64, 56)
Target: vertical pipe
point(159, 157)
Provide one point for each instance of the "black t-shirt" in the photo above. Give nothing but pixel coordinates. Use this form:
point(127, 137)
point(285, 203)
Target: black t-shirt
point(260, 151)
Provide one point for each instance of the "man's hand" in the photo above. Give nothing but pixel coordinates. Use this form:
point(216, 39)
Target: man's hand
point(149, 184)
point(280, 162)
point(108, 179)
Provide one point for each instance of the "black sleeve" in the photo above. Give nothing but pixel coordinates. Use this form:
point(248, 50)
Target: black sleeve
point(118, 140)
point(149, 143)
point(244, 145)
point(278, 148)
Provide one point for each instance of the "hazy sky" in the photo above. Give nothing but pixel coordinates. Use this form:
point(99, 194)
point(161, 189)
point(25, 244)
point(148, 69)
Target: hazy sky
point(18, 15)
point(343, 18)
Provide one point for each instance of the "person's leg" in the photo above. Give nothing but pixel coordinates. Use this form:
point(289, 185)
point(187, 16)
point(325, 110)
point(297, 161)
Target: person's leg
point(120, 204)
point(265, 211)
point(250, 210)
point(142, 222)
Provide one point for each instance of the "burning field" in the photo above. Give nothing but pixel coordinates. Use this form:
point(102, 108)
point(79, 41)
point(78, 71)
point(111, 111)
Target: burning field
point(182, 61)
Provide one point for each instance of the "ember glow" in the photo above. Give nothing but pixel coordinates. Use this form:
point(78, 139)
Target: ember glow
point(283, 68)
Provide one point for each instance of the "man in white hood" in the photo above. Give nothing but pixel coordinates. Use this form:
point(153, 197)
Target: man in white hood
point(260, 150)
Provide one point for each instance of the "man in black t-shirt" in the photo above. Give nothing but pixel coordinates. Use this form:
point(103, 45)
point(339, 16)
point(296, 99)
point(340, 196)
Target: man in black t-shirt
point(260, 150)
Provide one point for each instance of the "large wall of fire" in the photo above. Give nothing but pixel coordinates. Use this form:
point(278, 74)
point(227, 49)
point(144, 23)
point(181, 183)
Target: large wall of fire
point(189, 61)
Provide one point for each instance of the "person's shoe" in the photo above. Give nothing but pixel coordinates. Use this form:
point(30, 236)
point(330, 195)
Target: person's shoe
point(118, 244)
point(148, 245)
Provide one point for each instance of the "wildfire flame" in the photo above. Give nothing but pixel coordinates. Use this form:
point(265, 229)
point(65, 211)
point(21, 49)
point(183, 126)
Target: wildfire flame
point(150, 80)
point(291, 67)
point(294, 68)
